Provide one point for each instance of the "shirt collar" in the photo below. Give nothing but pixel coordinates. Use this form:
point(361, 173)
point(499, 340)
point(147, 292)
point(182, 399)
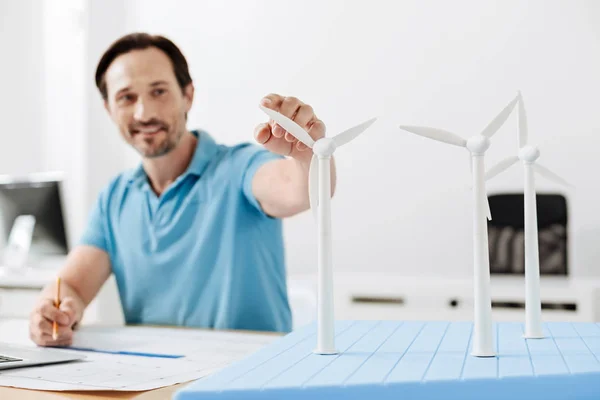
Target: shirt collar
point(206, 148)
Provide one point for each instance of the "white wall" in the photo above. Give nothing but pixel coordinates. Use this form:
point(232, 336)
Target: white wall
point(43, 103)
point(21, 80)
point(403, 203)
point(64, 132)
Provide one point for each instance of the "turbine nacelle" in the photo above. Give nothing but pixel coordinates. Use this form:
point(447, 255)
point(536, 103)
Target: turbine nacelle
point(529, 154)
point(324, 147)
point(478, 145)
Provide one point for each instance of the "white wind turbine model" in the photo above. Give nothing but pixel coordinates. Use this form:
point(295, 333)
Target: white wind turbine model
point(477, 146)
point(319, 188)
point(528, 155)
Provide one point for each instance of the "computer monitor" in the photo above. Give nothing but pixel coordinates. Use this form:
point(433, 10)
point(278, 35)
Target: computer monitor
point(507, 238)
point(37, 195)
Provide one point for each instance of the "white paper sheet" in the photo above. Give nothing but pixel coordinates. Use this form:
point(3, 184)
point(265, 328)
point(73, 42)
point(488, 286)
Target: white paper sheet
point(204, 351)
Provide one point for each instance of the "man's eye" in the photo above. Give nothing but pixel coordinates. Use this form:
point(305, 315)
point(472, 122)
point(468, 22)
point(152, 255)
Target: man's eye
point(126, 98)
point(158, 92)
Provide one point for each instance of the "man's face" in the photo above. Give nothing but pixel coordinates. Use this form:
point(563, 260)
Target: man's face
point(146, 102)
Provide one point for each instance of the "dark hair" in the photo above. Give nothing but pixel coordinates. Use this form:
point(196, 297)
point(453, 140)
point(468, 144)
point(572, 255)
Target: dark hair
point(141, 41)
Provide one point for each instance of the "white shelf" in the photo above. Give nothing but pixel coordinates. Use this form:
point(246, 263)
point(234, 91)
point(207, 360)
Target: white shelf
point(385, 296)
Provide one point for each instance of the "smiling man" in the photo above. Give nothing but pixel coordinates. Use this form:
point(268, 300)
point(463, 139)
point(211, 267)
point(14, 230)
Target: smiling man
point(193, 235)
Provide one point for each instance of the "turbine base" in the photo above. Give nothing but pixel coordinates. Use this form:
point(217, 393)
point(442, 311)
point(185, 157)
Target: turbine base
point(326, 352)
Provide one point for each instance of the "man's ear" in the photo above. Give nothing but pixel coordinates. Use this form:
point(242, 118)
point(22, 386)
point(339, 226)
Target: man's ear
point(188, 95)
point(106, 106)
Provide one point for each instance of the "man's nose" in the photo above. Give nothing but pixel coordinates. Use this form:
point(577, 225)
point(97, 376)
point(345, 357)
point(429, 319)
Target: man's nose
point(143, 111)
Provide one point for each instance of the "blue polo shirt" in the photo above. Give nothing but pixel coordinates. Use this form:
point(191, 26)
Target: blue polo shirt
point(203, 254)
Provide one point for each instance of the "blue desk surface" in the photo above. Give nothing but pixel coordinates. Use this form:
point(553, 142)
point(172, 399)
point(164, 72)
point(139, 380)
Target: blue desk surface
point(415, 360)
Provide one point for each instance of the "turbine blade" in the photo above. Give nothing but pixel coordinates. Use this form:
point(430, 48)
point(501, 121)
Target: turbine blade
point(487, 204)
point(523, 133)
point(500, 119)
point(313, 185)
point(545, 172)
point(501, 167)
point(436, 134)
point(350, 134)
point(290, 126)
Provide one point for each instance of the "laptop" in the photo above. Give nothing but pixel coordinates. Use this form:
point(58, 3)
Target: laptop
point(13, 356)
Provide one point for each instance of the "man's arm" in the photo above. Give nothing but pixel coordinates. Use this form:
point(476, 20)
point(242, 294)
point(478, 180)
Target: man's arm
point(86, 270)
point(281, 186)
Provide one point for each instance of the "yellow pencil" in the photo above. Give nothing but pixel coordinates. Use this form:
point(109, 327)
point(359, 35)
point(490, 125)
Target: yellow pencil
point(57, 305)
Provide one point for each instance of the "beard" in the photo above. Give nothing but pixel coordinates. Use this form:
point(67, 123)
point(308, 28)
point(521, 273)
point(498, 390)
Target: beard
point(151, 149)
point(155, 144)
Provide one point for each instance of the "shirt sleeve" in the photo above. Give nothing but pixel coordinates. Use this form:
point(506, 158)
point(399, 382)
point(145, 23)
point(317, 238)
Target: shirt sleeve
point(95, 232)
point(252, 157)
